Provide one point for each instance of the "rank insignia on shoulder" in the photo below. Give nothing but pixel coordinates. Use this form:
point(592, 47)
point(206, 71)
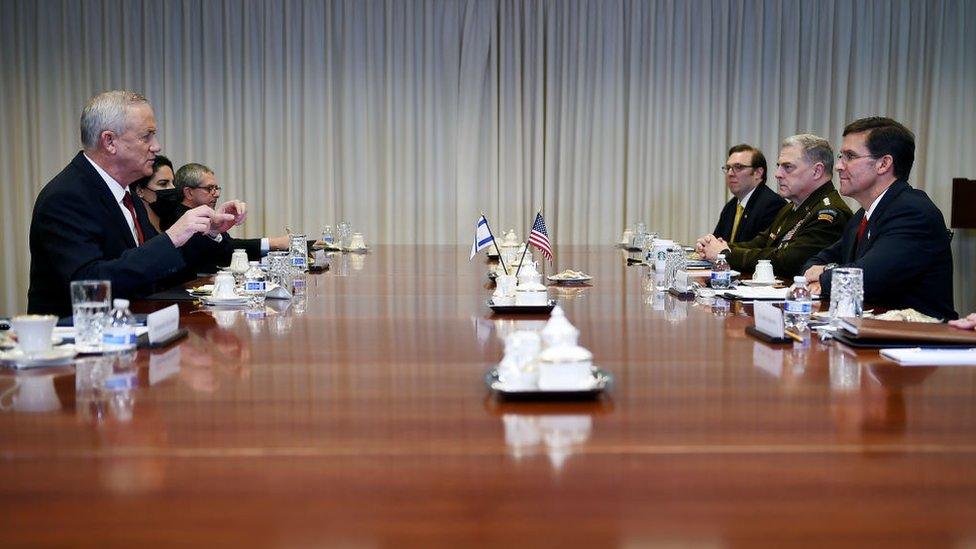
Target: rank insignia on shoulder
point(826, 201)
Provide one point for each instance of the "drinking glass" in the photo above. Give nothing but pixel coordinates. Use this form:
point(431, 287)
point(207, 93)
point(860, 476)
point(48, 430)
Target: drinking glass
point(846, 293)
point(344, 233)
point(277, 266)
point(91, 301)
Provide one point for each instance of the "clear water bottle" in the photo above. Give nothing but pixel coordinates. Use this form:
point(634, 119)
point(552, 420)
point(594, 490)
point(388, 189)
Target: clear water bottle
point(798, 306)
point(255, 286)
point(119, 334)
point(327, 235)
point(298, 252)
point(721, 274)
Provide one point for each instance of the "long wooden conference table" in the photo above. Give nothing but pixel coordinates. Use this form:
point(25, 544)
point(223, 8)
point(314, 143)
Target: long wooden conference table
point(360, 418)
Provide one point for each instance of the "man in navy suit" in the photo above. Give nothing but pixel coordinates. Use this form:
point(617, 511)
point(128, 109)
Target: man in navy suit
point(86, 225)
point(753, 205)
point(898, 237)
point(197, 186)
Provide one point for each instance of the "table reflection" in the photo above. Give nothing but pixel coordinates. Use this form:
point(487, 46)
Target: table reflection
point(556, 435)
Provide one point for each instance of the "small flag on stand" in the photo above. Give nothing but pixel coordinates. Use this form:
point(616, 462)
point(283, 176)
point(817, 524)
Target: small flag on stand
point(482, 237)
point(540, 238)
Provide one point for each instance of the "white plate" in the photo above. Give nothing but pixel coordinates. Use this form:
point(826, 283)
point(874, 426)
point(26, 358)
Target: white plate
point(772, 282)
point(55, 357)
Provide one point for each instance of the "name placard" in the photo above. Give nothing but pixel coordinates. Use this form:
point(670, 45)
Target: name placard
point(769, 319)
point(163, 323)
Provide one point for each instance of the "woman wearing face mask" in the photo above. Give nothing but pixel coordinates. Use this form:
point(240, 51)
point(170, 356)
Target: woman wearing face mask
point(158, 193)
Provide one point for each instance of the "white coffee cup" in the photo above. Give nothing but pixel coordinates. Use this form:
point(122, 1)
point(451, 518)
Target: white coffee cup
point(34, 332)
point(223, 285)
point(627, 237)
point(764, 271)
point(357, 242)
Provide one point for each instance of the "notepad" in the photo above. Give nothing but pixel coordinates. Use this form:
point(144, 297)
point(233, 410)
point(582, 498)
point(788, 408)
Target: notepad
point(931, 357)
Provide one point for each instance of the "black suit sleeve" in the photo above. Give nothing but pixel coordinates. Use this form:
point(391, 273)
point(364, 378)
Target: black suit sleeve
point(902, 250)
point(75, 253)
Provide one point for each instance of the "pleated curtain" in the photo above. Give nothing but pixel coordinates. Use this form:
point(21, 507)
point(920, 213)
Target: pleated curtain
point(410, 118)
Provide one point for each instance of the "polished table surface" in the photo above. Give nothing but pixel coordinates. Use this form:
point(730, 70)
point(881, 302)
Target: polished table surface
point(360, 418)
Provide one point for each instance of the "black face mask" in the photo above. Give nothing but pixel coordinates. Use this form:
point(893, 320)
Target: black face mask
point(166, 202)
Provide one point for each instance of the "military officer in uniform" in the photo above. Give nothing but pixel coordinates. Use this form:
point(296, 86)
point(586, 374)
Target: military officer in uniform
point(813, 219)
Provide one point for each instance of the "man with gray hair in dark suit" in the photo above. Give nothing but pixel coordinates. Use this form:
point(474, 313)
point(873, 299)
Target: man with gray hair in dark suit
point(85, 224)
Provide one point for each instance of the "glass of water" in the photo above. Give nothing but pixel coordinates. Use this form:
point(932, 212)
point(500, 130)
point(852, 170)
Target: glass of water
point(846, 293)
point(91, 301)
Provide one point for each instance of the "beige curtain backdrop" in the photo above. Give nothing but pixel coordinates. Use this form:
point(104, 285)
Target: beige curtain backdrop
point(408, 118)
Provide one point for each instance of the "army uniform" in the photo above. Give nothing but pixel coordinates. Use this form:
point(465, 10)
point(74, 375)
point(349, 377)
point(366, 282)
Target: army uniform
point(795, 235)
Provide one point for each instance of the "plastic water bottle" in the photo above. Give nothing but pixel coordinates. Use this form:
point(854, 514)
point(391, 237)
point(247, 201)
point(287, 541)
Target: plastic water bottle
point(327, 235)
point(721, 274)
point(119, 334)
point(798, 306)
point(255, 286)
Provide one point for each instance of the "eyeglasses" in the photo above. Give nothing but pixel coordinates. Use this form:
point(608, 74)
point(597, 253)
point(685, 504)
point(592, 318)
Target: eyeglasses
point(735, 167)
point(848, 156)
point(212, 189)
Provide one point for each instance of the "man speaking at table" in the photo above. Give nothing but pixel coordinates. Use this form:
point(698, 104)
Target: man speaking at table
point(85, 224)
point(753, 205)
point(898, 237)
point(813, 218)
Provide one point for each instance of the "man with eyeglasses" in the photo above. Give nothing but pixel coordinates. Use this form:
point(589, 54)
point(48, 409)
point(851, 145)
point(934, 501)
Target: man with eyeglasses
point(813, 219)
point(753, 205)
point(898, 237)
point(87, 226)
point(198, 186)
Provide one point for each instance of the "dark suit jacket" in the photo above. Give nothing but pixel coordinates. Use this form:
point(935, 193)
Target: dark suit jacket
point(220, 254)
point(78, 232)
point(762, 207)
point(905, 254)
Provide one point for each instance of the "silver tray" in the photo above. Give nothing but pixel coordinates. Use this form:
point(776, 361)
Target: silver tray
point(522, 309)
point(604, 380)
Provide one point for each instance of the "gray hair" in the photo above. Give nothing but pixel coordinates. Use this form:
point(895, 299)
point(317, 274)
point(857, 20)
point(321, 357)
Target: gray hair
point(815, 149)
point(107, 111)
point(190, 175)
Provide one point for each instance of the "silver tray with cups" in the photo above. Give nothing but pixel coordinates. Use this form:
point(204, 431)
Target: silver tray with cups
point(602, 380)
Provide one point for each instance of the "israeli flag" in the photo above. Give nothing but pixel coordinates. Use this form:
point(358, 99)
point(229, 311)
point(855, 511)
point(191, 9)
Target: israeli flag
point(482, 237)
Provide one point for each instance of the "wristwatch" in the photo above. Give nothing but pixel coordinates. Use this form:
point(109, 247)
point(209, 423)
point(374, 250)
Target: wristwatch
point(829, 266)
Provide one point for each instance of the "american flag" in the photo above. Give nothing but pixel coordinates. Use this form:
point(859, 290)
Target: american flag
point(540, 238)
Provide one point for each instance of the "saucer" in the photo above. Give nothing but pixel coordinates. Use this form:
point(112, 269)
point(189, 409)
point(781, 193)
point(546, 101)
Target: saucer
point(772, 282)
point(224, 301)
point(54, 357)
point(570, 280)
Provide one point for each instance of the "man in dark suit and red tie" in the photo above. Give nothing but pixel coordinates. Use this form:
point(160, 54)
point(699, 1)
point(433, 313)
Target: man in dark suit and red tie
point(898, 237)
point(753, 205)
point(85, 224)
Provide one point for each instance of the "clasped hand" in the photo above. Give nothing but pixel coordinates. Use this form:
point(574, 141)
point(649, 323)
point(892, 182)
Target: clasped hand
point(709, 246)
point(205, 220)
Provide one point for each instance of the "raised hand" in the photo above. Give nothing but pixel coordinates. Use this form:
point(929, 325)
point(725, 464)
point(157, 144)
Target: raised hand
point(197, 220)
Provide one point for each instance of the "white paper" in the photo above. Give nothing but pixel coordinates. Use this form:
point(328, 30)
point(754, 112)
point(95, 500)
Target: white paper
point(163, 323)
point(769, 319)
point(758, 293)
point(931, 357)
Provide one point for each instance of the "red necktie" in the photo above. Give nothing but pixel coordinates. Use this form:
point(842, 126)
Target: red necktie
point(860, 229)
point(127, 202)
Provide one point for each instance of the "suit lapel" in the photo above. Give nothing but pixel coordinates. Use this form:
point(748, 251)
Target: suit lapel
point(119, 227)
point(877, 216)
